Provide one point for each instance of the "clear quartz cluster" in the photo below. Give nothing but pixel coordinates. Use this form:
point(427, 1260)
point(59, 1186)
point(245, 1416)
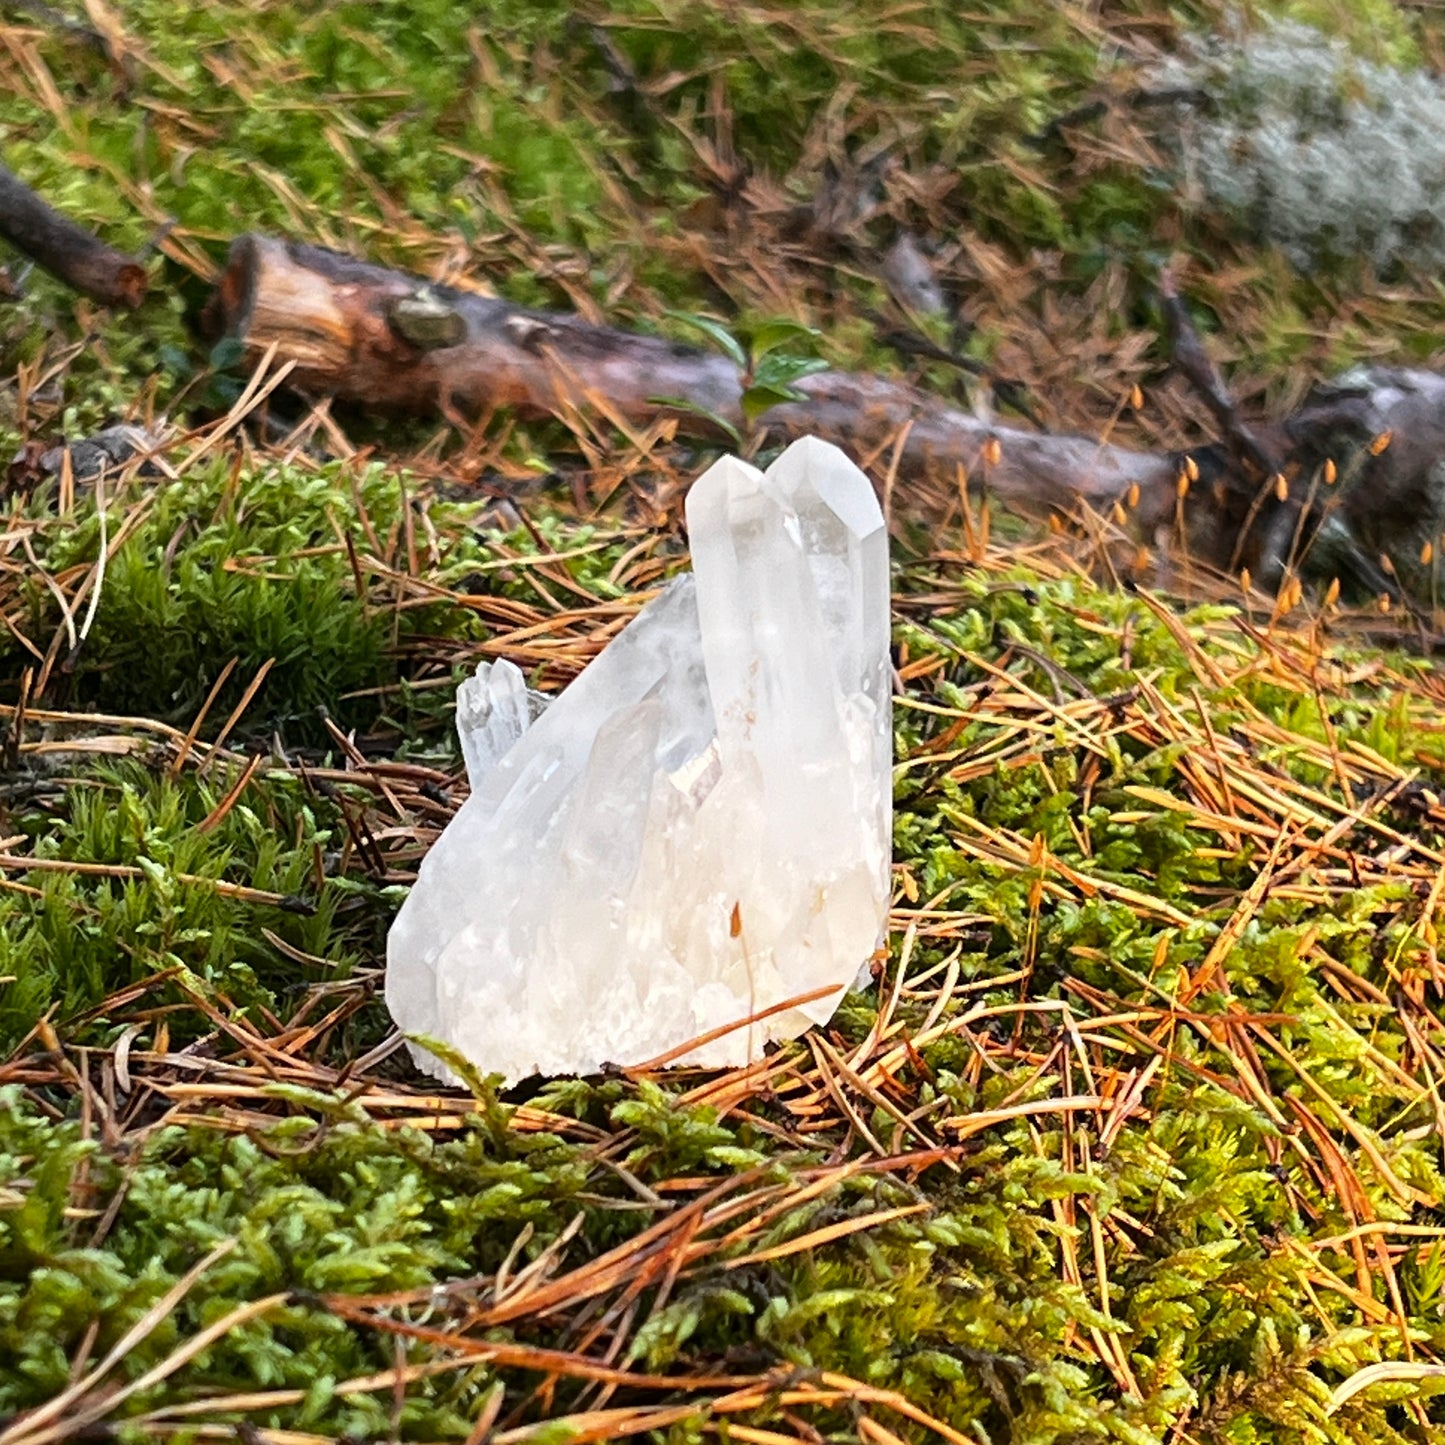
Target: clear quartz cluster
point(698, 828)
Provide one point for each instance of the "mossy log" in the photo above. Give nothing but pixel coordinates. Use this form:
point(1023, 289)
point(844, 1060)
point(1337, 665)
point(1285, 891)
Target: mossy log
point(383, 338)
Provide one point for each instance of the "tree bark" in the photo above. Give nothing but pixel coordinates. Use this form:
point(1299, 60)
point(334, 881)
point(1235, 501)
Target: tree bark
point(383, 338)
point(67, 250)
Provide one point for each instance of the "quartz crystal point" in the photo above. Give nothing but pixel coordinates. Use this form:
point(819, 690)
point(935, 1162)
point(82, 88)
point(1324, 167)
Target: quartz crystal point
point(697, 828)
point(494, 708)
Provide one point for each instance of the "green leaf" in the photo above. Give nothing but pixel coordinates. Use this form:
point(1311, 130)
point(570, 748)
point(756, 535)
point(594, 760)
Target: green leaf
point(716, 332)
point(782, 371)
point(681, 403)
point(773, 334)
point(176, 360)
point(758, 399)
point(483, 1088)
point(735, 1158)
point(226, 353)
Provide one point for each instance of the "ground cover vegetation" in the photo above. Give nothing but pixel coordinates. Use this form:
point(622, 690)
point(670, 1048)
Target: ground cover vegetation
point(1139, 1137)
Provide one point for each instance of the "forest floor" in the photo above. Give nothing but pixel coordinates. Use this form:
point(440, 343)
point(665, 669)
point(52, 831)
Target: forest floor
point(1139, 1136)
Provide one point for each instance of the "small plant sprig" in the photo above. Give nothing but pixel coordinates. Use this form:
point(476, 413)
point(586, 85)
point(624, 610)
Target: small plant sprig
point(768, 360)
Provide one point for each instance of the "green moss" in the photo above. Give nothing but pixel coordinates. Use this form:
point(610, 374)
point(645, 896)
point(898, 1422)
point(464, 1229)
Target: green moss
point(231, 571)
point(963, 1307)
point(1377, 30)
point(84, 935)
point(414, 132)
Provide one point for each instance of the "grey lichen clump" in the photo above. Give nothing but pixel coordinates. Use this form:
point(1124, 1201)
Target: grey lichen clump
point(1317, 151)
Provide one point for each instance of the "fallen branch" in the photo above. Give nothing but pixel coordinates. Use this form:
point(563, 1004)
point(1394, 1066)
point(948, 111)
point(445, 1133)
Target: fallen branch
point(1263, 500)
point(387, 339)
point(68, 251)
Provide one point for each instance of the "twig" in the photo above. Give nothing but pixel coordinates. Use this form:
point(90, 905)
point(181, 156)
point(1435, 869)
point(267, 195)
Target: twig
point(67, 250)
point(1200, 372)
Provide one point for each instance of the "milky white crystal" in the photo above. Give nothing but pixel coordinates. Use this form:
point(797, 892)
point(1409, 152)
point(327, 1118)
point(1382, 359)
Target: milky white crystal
point(698, 827)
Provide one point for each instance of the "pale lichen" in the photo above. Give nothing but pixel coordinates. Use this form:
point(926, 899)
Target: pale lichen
point(1315, 150)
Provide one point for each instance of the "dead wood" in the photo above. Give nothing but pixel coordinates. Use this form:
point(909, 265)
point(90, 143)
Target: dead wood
point(1252, 454)
point(1348, 487)
point(66, 250)
point(383, 338)
point(89, 457)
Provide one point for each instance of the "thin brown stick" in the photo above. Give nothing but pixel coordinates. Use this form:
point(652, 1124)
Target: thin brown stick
point(1195, 365)
point(66, 250)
